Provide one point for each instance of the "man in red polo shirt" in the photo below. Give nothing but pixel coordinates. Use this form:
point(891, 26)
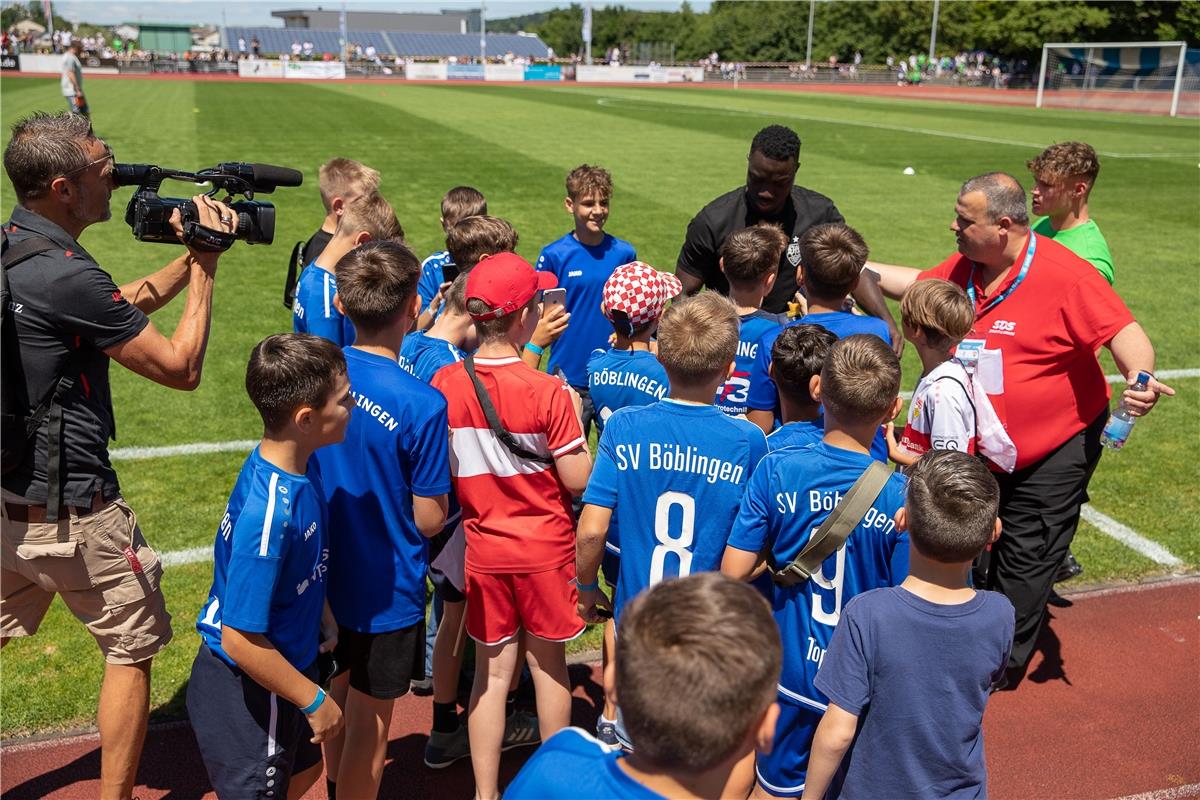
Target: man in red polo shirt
point(1041, 313)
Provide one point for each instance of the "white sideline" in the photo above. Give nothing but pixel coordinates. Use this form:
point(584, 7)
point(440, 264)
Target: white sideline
point(1130, 538)
point(1173, 793)
point(1103, 523)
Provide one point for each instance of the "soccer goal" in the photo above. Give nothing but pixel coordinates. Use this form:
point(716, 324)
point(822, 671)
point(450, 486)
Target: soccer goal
point(1149, 77)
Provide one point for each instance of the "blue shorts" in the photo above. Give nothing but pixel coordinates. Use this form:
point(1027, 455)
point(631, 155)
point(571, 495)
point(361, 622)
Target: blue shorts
point(252, 741)
point(782, 772)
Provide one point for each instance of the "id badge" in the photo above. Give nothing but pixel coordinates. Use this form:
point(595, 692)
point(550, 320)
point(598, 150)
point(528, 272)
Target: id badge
point(968, 353)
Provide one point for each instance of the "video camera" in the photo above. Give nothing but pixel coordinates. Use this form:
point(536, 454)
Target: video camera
point(150, 215)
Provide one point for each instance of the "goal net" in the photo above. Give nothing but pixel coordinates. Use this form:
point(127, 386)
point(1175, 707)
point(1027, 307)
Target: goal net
point(1145, 77)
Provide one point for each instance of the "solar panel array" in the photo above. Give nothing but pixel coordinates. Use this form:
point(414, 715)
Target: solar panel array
point(389, 43)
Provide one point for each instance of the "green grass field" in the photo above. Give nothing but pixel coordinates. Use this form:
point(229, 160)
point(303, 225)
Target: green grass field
point(670, 152)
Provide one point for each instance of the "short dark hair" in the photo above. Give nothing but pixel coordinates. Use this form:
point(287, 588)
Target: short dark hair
point(588, 180)
point(833, 255)
point(776, 142)
point(470, 239)
point(375, 280)
point(952, 500)
point(489, 330)
point(1060, 162)
point(43, 147)
point(860, 379)
point(462, 202)
point(456, 295)
point(291, 370)
point(797, 355)
point(750, 253)
point(1004, 195)
point(713, 635)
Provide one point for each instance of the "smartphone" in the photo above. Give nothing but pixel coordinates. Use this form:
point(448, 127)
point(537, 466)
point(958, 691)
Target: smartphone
point(449, 272)
point(552, 298)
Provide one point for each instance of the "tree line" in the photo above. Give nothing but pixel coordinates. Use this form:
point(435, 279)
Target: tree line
point(777, 31)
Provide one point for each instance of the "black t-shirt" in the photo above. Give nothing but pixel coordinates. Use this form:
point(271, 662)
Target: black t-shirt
point(64, 300)
point(700, 254)
point(315, 244)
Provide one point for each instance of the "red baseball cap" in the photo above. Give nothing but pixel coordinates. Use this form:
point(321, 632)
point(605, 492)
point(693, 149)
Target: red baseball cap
point(505, 282)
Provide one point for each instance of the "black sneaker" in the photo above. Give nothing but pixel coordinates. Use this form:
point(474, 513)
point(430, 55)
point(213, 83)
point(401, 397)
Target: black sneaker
point(1069, 568)
point(443, 749)
point(421, 688)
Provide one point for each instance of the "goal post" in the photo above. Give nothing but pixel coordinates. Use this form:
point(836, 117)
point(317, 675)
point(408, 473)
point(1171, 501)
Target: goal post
point(1133, 76)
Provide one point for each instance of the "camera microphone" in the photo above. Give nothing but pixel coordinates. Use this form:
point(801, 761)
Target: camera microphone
point(265, 178)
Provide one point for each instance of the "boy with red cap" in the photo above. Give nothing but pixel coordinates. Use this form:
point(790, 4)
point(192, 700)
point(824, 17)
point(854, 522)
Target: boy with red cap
point(517, 456)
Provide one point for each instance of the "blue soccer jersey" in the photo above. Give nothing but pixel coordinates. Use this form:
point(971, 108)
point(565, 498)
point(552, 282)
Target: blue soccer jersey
point(575, 765)
point(423, 355)
point(433, 275)
point(674, 472)
point(314, 312)
point(789, 496)
point(396, 446)
point(621, 378)
point(270, 561)
point(582, 271)
point(796, 434)
point(733, 395)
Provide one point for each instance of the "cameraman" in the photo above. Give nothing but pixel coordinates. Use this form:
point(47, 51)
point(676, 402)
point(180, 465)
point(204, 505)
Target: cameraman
point(70, 533)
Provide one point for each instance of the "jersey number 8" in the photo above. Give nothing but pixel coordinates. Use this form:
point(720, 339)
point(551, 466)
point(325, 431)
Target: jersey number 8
point(676, 546)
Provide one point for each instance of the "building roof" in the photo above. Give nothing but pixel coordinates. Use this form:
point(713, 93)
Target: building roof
point(393, 43)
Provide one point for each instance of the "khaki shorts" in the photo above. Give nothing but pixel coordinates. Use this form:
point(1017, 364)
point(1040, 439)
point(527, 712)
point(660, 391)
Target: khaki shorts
point(106, 573)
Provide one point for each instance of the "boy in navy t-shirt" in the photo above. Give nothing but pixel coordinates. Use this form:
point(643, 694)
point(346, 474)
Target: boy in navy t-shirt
point(362, 220)
point(582, 260)
point(750, 261)
point(674, 471)
point(254, 704)
point(386, 485)
point(831, 259)
point(910, 667)
point(457, 204)
point(796, 358)
point(695, 677)
point(789, 496)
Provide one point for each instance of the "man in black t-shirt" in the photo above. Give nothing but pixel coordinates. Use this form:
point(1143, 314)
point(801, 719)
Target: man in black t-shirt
point(770, 195)
point(82, 541)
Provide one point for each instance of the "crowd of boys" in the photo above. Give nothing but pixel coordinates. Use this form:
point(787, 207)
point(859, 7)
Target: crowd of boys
point(814, 605)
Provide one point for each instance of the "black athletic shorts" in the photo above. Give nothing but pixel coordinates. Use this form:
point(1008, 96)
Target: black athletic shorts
point(381, 665)
point(252, 741)
point(444, 588)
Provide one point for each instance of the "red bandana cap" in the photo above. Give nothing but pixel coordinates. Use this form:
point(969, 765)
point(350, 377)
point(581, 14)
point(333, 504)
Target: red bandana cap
point(638, 293)
point(504, 283)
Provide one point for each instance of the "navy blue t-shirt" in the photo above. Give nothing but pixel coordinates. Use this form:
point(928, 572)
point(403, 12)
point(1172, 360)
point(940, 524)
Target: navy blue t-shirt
point(582, 271)
point(270, 560)
point(621, 378)
point(918, 675)
point(314, 312)
point(396, 446)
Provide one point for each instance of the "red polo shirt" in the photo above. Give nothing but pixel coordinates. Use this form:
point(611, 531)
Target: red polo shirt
point(1047, 330)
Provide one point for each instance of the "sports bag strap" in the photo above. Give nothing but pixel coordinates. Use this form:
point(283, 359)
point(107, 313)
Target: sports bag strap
point(293, 272)
point(493, 419)
point(54, 451)
point(16, 253)
point(966, 392)
point(837, 527)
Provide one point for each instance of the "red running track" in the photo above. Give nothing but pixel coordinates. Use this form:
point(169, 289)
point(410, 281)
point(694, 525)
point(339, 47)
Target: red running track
point(1109, 709)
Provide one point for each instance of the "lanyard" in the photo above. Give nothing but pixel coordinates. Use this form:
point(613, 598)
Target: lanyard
point(1000, 298)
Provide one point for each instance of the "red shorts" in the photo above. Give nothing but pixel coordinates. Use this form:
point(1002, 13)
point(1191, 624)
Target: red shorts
point(543, 603)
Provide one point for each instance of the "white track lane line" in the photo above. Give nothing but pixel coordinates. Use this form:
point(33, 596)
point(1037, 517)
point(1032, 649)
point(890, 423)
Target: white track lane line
point(1173, 793)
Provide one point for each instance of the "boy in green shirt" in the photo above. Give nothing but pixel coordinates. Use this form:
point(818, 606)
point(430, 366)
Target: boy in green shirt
point(1063, 177)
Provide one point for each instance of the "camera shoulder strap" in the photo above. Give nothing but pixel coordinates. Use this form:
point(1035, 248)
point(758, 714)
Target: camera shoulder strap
point(493, 419)
point(293, 273)
point(837, 527)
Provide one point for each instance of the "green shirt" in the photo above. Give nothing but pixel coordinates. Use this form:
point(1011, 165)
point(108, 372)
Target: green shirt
point(1084, 240)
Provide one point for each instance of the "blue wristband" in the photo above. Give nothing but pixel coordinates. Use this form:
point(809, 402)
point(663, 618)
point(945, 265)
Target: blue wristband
point(587, 587)
point(315, 704)
point(533, 348)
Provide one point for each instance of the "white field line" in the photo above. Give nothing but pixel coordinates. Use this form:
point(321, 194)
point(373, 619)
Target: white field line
point(1105, 524)
point(681, 108)
point(1129, 537)
point(1173, 793)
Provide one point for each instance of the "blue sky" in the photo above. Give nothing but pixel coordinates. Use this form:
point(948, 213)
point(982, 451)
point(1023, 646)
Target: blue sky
point(257, 12)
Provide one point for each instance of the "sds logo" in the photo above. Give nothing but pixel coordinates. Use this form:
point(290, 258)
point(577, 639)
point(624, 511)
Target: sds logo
point(1003, 326)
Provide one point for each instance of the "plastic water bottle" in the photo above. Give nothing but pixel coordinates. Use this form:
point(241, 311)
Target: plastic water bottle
point(1120, 424)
